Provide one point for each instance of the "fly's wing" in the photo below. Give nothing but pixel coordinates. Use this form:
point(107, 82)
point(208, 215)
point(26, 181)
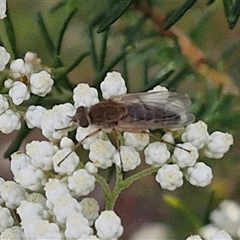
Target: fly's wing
point(154, 110)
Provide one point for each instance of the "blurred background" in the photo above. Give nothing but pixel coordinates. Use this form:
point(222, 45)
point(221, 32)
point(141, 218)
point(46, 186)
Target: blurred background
point(194, 52)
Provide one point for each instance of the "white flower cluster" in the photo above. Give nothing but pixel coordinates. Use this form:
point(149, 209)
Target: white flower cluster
point(225, 217)
point(52, 167)
point(25, 76)
point(221, 234)
point(28, 76)
point(56, 214)
point(183, 162)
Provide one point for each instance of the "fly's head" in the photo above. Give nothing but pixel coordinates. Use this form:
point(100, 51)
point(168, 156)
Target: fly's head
point(82, 117)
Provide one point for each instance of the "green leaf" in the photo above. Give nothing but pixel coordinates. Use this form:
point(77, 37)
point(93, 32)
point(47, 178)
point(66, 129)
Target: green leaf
point(210, 2)
point(108, 67)
point(58, 6)
point(115, 11)
point(160, 77)
point(10, 34)
point(63, 30)
point(232, 12)
point(45, 34)
point(178, 13)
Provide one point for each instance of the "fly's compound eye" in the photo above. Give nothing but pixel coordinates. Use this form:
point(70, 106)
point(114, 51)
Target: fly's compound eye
point(81, 117)
point(83, 122)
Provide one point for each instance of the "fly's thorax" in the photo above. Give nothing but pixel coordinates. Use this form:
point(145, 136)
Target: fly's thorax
point(107, 113)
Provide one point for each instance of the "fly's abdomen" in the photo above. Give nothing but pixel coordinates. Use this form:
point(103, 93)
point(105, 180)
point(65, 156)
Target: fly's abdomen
point(142, 112)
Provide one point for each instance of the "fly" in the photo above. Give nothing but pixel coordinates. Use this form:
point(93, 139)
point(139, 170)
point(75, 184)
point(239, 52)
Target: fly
point(142, 111)
point(137, 112)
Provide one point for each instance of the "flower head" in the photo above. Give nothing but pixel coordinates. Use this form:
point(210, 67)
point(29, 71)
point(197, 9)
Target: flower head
point(169, 176)
point(156, 154)
point(9, 121)
point(196, 134)
point(41, 83)
point(113, 85)
point(4, 55)
point(85, 96)
point(19, 92)
point(127, 158)
point(199, 175)
point(218, 144)
point(108, 225)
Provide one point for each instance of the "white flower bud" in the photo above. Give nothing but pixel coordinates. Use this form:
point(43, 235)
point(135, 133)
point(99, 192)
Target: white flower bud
point(194, 237)
point(168, 137)
point(127, 158)
point(30, 210)
point(33, 116)
point(15, 232)
point(81, 182)
point(9, 121)
point(185, 158)
point(113, 85)
point(90, 209)
point(41, 83)
point(6, 219)
point(12, 193)
point(3, 8)
point(221, 235)
point(218, 144)
point(169, 176)
point(65, 206)
point(8, 83)
point(4, 55)
point(199, 175)
point(85, 96)
point(227, 217)
point(77, 226)
point(69, 161)
point(136, 140)
point(84, 132)
point(42, 229)
point(101, 153)
point(36, 198)
point(31, 178)
point(91, 168)
point(3, 104)
point(55, 188)
point(108, 225)
point(156, 154)
point(19, 161)
point(159, 88)
point(207, 231)
point(18, 68)
point(32, 59)
point(196, 134)
point(41, 153)
point(19, 92)
point(67, 143)
point(54, 122)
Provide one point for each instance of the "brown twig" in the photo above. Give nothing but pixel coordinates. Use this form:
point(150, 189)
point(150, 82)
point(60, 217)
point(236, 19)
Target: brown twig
point(194, 54)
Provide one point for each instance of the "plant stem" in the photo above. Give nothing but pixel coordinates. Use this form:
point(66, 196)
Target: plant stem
point(121, 184)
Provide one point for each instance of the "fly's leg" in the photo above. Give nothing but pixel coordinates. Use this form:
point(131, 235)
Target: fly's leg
point(79, 143)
